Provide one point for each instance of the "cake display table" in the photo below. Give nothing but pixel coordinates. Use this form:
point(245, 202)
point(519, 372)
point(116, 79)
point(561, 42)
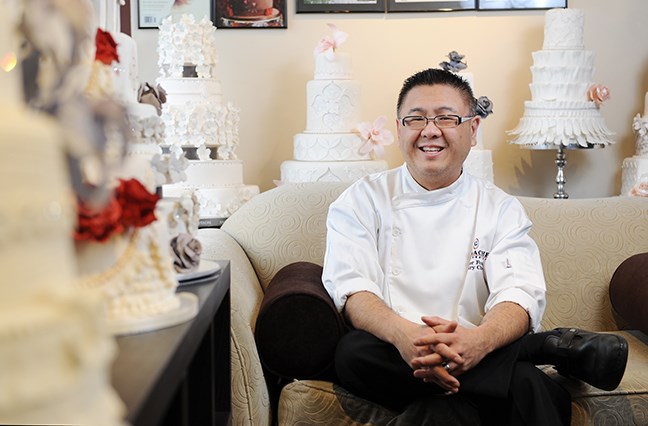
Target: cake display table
point(180, 375)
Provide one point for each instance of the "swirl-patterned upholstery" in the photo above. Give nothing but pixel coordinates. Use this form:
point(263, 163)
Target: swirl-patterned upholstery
point(582, 242)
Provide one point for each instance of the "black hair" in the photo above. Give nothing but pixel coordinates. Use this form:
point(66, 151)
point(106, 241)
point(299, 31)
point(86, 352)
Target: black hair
point(434, 76)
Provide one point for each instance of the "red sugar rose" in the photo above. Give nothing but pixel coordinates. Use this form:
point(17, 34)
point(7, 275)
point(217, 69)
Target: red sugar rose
point(138, 205)
point(131, 206)
point(106, 47)
point(99, 225)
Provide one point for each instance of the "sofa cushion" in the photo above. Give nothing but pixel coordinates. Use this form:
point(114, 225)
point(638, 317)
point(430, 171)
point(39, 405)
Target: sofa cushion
point(629, 291)
point(312, 402)
point(298, 326)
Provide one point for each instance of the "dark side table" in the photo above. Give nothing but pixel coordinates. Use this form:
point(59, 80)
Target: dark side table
point(180, 375)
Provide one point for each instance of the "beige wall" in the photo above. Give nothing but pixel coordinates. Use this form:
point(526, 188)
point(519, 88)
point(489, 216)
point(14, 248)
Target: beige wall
point(264, 72)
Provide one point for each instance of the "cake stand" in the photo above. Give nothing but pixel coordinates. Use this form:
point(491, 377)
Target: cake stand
point(561, 162)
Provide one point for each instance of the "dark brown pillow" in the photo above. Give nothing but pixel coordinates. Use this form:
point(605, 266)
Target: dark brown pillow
point(298, 326)
point(629, 291)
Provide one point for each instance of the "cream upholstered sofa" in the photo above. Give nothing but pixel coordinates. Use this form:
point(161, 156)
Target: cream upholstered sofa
point(582, 242)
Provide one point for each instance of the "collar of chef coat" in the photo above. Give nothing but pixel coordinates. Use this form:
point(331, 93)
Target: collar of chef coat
point(414, 194)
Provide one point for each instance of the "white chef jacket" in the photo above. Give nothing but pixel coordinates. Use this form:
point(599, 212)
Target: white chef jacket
point(454, 252)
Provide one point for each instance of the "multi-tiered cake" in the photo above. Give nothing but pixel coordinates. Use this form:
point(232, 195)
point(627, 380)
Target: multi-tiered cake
point(123, 252)
point(196, 120)
point(635, 168)
point(479, 161)
point(564, 106)
point(55, 352)
point(330, 147)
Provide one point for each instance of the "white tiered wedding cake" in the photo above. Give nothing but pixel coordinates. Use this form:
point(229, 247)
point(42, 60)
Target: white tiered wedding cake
point(196, 120)
point(635, 169)
point(564, 106)
point(123, 252)
point(330, 149)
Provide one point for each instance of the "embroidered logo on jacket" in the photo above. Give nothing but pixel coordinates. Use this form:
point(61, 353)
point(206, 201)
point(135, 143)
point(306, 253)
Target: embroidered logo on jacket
point(477, 257)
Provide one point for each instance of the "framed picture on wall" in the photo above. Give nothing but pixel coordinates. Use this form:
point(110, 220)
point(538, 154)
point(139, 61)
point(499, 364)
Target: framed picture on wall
point(340, 6)
point(429, 5)
point(150, 13)
point(250, 14)
point(519, 4)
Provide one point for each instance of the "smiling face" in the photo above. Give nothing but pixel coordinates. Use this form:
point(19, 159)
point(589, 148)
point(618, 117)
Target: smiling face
point(435, 157)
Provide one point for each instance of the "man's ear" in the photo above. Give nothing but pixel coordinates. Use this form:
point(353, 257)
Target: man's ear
point(474, 125)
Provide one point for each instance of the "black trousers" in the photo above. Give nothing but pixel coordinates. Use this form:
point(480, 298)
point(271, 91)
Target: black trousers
point(505, 388)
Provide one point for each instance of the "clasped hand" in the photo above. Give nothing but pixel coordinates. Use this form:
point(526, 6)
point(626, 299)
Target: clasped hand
point(444, 343)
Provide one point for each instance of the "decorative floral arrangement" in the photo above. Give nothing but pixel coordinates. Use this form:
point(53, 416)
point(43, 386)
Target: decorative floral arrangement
point(131, 206)
point(170, 168)
point(156, 96)
point(185, 252)
point(641, 187)
point(186, 42)
point(598, 94)
point(455, 64)
point(375, 136)
point(640, 127)
point(484, 107)
point(328, 44)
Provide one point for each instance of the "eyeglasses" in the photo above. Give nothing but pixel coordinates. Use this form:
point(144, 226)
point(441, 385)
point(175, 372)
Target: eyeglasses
point(446, 121)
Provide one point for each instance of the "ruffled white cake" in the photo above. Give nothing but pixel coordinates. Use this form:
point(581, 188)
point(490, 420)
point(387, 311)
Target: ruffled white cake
point(634, 170)
point(560, 112)
point(329, 148)
point(197, 121)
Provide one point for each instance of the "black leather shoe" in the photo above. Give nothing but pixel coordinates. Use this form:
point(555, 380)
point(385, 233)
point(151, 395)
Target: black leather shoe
point(596, 358)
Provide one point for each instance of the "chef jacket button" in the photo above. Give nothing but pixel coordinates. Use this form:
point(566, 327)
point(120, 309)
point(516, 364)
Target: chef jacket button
point(396, 271)
point(396, 232)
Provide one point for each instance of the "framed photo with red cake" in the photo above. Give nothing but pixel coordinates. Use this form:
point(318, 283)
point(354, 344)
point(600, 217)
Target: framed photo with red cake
point(340, 6)
point(519, 4)
point(150, 13)
point(429, 5)
point(249, 13)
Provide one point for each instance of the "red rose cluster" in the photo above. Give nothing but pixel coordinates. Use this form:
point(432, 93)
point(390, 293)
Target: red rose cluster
point(131, 206)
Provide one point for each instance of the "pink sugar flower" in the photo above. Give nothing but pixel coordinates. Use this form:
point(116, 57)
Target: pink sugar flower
point(598, 94)
point(375, 136)
point(328, 44)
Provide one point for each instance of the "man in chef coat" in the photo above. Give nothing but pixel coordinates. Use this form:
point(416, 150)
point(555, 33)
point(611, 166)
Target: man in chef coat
point(436, 274)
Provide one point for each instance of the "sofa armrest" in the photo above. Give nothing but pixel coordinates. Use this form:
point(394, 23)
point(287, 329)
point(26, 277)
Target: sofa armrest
point(250, 398)
point(629, 292)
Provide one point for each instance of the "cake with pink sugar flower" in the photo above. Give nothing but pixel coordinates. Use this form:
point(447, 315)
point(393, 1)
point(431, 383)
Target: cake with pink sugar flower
point(335, 146)
point(564, 110)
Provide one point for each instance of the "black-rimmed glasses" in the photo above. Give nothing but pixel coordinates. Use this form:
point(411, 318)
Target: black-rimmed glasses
point(445, 121)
